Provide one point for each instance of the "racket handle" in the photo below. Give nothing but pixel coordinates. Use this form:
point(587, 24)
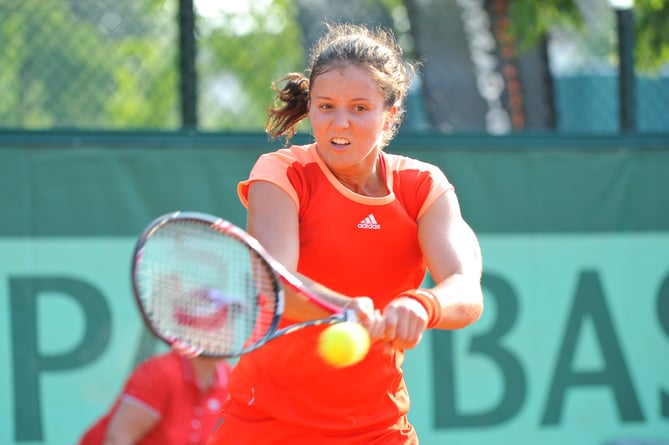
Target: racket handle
point(350, 315)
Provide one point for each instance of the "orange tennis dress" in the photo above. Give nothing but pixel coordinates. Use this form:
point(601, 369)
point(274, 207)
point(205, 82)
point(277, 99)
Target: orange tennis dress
point(283, 393)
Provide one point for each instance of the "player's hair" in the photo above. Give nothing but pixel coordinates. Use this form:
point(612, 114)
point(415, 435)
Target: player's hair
point(374, 49)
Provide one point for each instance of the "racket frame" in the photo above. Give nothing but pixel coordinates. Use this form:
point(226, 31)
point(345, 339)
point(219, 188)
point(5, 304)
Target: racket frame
point(280, 275)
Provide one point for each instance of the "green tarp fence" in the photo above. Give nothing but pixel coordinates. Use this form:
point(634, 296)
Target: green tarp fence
point(573, 346)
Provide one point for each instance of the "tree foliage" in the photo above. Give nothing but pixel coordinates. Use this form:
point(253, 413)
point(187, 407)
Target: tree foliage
point(114, 65)
point(239, 54)
point(652, 34)
point(535, 19)
point(75, 63)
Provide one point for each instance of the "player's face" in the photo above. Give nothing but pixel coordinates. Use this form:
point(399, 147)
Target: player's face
point(348, 116)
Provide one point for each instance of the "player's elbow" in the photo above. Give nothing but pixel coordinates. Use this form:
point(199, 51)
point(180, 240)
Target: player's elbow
point(474, 308)
point(474, 311)
point(467, 314)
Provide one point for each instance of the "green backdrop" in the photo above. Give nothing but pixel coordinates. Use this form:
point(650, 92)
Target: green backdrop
point(573, 346)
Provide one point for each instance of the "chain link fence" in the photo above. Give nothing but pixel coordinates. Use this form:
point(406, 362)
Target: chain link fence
point(88, 65)
point(125, 65)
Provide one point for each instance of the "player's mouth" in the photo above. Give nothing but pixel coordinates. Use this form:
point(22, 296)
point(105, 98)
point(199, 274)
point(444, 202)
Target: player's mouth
point(340, 142)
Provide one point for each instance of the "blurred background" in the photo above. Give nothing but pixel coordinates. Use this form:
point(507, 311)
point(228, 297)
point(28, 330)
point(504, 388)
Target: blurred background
point(549, 117)
point(493, 66)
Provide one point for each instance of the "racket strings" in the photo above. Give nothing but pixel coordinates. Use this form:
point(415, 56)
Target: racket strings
point(210, 291)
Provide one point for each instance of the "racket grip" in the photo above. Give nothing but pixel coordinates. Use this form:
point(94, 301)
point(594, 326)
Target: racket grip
point(350, 315)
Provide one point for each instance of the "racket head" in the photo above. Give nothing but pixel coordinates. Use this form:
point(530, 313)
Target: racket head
point(205, 286)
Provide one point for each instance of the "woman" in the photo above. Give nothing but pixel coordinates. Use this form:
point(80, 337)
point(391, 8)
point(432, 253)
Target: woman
point(364, 225)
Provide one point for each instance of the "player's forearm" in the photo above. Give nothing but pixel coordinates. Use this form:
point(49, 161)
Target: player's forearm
point(300, 308)
point(461, 300)
point(118, 439)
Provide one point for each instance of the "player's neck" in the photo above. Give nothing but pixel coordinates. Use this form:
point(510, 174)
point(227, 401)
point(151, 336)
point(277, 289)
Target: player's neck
point(372, 181)
point(205, 373)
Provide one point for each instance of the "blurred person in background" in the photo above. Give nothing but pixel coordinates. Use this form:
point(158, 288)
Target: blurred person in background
point(174, 398)
point(169, 399)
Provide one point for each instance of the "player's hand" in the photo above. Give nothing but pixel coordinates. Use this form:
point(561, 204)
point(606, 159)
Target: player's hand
point(404, 321)
point(368, 316)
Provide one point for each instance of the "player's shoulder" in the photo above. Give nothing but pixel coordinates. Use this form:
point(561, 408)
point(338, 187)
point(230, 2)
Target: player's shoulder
point(402, 163)
point(158, 370)
point(166, 360)
point(301, 154)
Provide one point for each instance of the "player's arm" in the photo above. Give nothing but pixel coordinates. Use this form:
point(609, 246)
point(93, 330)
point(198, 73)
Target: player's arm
point(453, 256)
point(272, 219)
point(129, 423)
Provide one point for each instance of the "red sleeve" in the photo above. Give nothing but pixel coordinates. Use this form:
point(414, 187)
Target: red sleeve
point(417, 184)
point(433, 184)
point(281, 168)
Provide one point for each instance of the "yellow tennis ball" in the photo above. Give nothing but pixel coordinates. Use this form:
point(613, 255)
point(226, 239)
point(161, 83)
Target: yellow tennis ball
point(343, 344)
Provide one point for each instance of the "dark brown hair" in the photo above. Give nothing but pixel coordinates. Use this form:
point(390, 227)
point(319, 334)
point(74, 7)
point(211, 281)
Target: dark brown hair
point(375, 49)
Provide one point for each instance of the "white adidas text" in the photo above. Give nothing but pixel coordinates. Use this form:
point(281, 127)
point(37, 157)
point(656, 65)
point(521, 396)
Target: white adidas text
point(369, 223)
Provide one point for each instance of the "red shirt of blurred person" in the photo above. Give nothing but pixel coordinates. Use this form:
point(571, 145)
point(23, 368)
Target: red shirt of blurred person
point(181, 409)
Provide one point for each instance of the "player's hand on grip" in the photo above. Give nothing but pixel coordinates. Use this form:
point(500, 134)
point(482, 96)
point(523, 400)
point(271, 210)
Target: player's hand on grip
point(368, 316)
point(404, 321)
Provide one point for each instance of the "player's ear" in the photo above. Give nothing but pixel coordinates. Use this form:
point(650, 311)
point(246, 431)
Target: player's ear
point(391, 114)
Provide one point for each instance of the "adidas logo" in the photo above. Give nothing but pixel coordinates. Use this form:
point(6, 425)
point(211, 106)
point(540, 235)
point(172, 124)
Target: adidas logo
point(369, 223)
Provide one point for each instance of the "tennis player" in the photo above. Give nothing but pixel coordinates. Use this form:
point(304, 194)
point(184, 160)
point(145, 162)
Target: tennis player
point(363, 224)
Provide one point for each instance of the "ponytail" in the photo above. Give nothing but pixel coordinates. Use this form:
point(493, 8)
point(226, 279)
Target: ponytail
point(291, 106)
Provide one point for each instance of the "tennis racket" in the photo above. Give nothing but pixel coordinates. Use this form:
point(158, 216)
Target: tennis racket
point(206, 287)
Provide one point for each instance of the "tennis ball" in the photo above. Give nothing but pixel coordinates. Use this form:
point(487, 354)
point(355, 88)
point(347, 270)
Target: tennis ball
point(343, 344)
